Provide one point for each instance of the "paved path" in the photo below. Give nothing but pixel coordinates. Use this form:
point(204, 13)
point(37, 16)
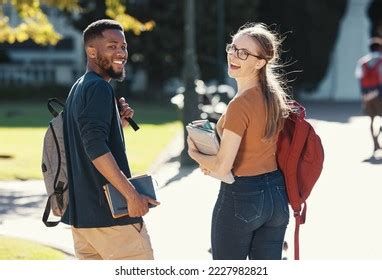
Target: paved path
point(343, 219)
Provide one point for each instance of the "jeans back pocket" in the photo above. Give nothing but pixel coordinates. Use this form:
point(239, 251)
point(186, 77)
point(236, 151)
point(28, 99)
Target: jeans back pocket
point(248, 205)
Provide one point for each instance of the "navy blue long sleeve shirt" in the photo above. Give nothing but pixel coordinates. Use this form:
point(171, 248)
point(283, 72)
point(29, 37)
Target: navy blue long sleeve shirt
point(92, 128)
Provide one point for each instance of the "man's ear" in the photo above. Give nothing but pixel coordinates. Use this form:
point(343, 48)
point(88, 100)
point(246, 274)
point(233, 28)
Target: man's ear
point(91, 52)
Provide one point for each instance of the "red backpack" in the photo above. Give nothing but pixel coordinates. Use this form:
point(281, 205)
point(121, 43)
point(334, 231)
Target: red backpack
point(300, 158)
point(371, 77)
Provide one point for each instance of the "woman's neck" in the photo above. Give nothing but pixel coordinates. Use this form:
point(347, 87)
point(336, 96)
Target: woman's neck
point(245, 84)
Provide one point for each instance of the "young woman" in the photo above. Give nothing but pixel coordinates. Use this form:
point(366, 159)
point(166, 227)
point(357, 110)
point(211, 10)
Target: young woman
point(251, 215)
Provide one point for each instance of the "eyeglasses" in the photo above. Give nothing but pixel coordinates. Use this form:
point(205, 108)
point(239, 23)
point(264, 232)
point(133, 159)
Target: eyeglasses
point(240, 53)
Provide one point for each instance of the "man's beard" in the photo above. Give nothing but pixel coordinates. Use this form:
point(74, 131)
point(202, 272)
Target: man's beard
point(104, 64)
point(114, 75)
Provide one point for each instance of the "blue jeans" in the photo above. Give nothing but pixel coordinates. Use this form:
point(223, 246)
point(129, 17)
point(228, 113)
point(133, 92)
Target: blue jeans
point(250, 218)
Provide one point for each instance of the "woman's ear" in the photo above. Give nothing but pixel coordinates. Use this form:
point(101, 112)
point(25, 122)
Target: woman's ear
point(260, 64)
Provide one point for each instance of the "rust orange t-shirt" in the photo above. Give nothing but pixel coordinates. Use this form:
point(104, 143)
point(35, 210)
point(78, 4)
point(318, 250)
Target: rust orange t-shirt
point(246, 117)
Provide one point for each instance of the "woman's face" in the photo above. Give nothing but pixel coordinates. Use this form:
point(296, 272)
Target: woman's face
point(243, 57)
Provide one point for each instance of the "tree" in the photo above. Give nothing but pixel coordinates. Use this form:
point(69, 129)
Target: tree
point(190, 75)
point(375, 15)
point(36, 26)
point(311, 29)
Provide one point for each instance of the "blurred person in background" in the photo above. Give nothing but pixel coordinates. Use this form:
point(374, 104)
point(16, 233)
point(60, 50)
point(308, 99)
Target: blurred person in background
point(369, 74)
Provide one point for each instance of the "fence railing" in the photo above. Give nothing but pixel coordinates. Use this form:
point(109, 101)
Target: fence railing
point(14, 74)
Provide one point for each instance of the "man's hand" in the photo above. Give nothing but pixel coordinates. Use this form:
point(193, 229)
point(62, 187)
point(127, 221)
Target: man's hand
point(138, 205)
point(125, 111)
point(150, 200)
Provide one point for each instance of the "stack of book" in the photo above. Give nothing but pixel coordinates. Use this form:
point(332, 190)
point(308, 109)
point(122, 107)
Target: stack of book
point(118, 203)
point(207, 142)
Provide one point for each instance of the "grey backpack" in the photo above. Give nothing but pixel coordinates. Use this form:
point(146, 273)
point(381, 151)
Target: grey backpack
point(53, 165)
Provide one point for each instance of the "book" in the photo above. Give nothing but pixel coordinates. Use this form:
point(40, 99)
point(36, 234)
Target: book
point(118, 203)
point(206, 141)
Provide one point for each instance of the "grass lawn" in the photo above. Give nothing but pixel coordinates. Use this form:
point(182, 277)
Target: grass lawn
point(19, 249)
point(22, 128)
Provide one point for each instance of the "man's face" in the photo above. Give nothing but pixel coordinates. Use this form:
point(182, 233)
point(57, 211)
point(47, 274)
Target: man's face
point(111, 54)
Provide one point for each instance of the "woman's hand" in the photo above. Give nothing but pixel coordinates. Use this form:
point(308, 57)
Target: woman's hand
point(205, 170)
point(221, 163)
point(192, 150)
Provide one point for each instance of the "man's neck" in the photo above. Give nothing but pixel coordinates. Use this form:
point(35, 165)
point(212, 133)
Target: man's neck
point(97, 70)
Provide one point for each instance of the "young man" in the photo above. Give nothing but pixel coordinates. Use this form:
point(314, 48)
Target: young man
point(96, 154)
point(369, 73)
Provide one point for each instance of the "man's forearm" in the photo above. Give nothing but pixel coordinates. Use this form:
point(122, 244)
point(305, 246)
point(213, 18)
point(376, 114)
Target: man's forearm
point(109, 168)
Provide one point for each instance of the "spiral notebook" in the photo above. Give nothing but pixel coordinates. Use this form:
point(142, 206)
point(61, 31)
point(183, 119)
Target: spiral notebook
point(118, 203)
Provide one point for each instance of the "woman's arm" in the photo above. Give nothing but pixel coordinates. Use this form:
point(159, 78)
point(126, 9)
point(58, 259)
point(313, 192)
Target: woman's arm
point(221, 163)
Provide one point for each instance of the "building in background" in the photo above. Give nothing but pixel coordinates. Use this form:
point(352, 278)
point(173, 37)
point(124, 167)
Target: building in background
point(31, 64)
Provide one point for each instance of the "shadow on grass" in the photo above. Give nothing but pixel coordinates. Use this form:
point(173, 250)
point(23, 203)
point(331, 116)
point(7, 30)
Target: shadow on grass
point(6, 157)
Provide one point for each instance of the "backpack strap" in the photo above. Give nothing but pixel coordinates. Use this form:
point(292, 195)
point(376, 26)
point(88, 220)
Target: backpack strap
point(55, 106)
point(45, 216)
point(299, 219)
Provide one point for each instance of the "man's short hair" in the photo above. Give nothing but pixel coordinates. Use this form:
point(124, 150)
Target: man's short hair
point(96, 28)
point(375, 44)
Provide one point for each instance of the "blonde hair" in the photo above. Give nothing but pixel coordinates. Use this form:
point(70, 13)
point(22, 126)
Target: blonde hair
point(271, 80)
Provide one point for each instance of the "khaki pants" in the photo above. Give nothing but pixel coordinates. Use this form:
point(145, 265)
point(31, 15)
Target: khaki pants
point(128, 242)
